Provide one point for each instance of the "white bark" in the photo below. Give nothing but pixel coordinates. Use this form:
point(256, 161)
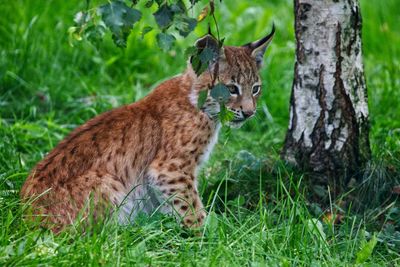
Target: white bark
point(329, 111)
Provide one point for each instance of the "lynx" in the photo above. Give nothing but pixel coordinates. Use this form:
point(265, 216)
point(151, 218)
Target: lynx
point(146, 155)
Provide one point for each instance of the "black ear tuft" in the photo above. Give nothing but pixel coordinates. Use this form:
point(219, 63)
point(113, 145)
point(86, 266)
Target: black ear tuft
point(207, 41)
point(209, 49)
point(259, 47)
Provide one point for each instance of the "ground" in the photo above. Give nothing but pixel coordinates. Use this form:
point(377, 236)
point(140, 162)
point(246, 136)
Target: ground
point(258, 213)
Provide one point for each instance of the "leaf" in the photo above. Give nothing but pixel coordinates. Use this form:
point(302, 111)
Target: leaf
point(197, 65)
point(393, 214)
point(149, 3)
point(95, 33)
point(146, 30)
point(117, 15)
point(203, 14)
point(185, 25)
point(237, 202)
point(320, 191)
point(119, 18)
point(366, 250)
point(285, 263)
point(220, 93)
point(212, 224)
point(193, 2)
point(73, 35)
point(81, 18)
point(178, 8)
point(225, 115)
point(190, 51)
point(165, 40)
point(315, 227)
point(206, 55)
point(164, 16)
point(202, 98)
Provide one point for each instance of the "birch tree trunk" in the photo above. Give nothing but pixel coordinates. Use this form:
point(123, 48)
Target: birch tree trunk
point(328, 128)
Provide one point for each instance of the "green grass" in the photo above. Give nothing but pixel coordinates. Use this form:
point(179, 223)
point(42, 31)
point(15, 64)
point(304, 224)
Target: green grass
point(258, 212)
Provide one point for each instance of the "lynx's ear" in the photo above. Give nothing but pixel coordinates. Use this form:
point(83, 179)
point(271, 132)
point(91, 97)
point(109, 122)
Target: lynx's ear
point(209, 41)
point(258, 48)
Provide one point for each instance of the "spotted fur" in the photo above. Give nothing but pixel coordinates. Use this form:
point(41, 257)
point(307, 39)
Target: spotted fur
point(142, 156)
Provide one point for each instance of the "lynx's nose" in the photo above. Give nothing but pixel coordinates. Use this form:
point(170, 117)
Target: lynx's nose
point(247, 113)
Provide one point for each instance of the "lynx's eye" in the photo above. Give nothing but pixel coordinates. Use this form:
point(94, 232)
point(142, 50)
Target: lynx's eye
point(256, 89)
point(233, 89)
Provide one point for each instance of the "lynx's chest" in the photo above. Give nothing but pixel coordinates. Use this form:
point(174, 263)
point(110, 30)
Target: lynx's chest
point(207, 150)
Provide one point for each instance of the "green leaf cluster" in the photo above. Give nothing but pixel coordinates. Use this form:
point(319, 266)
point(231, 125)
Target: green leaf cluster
point(87, 26)
point(174, 14)
point(119, 19)
point(202, 57)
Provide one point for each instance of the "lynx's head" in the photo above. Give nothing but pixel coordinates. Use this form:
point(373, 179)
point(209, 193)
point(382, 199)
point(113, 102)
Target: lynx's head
point(237, 67)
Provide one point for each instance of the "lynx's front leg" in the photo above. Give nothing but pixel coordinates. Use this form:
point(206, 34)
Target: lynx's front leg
point(179, 190)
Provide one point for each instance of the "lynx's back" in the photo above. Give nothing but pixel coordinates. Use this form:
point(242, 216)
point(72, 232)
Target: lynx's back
point(108, 155)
